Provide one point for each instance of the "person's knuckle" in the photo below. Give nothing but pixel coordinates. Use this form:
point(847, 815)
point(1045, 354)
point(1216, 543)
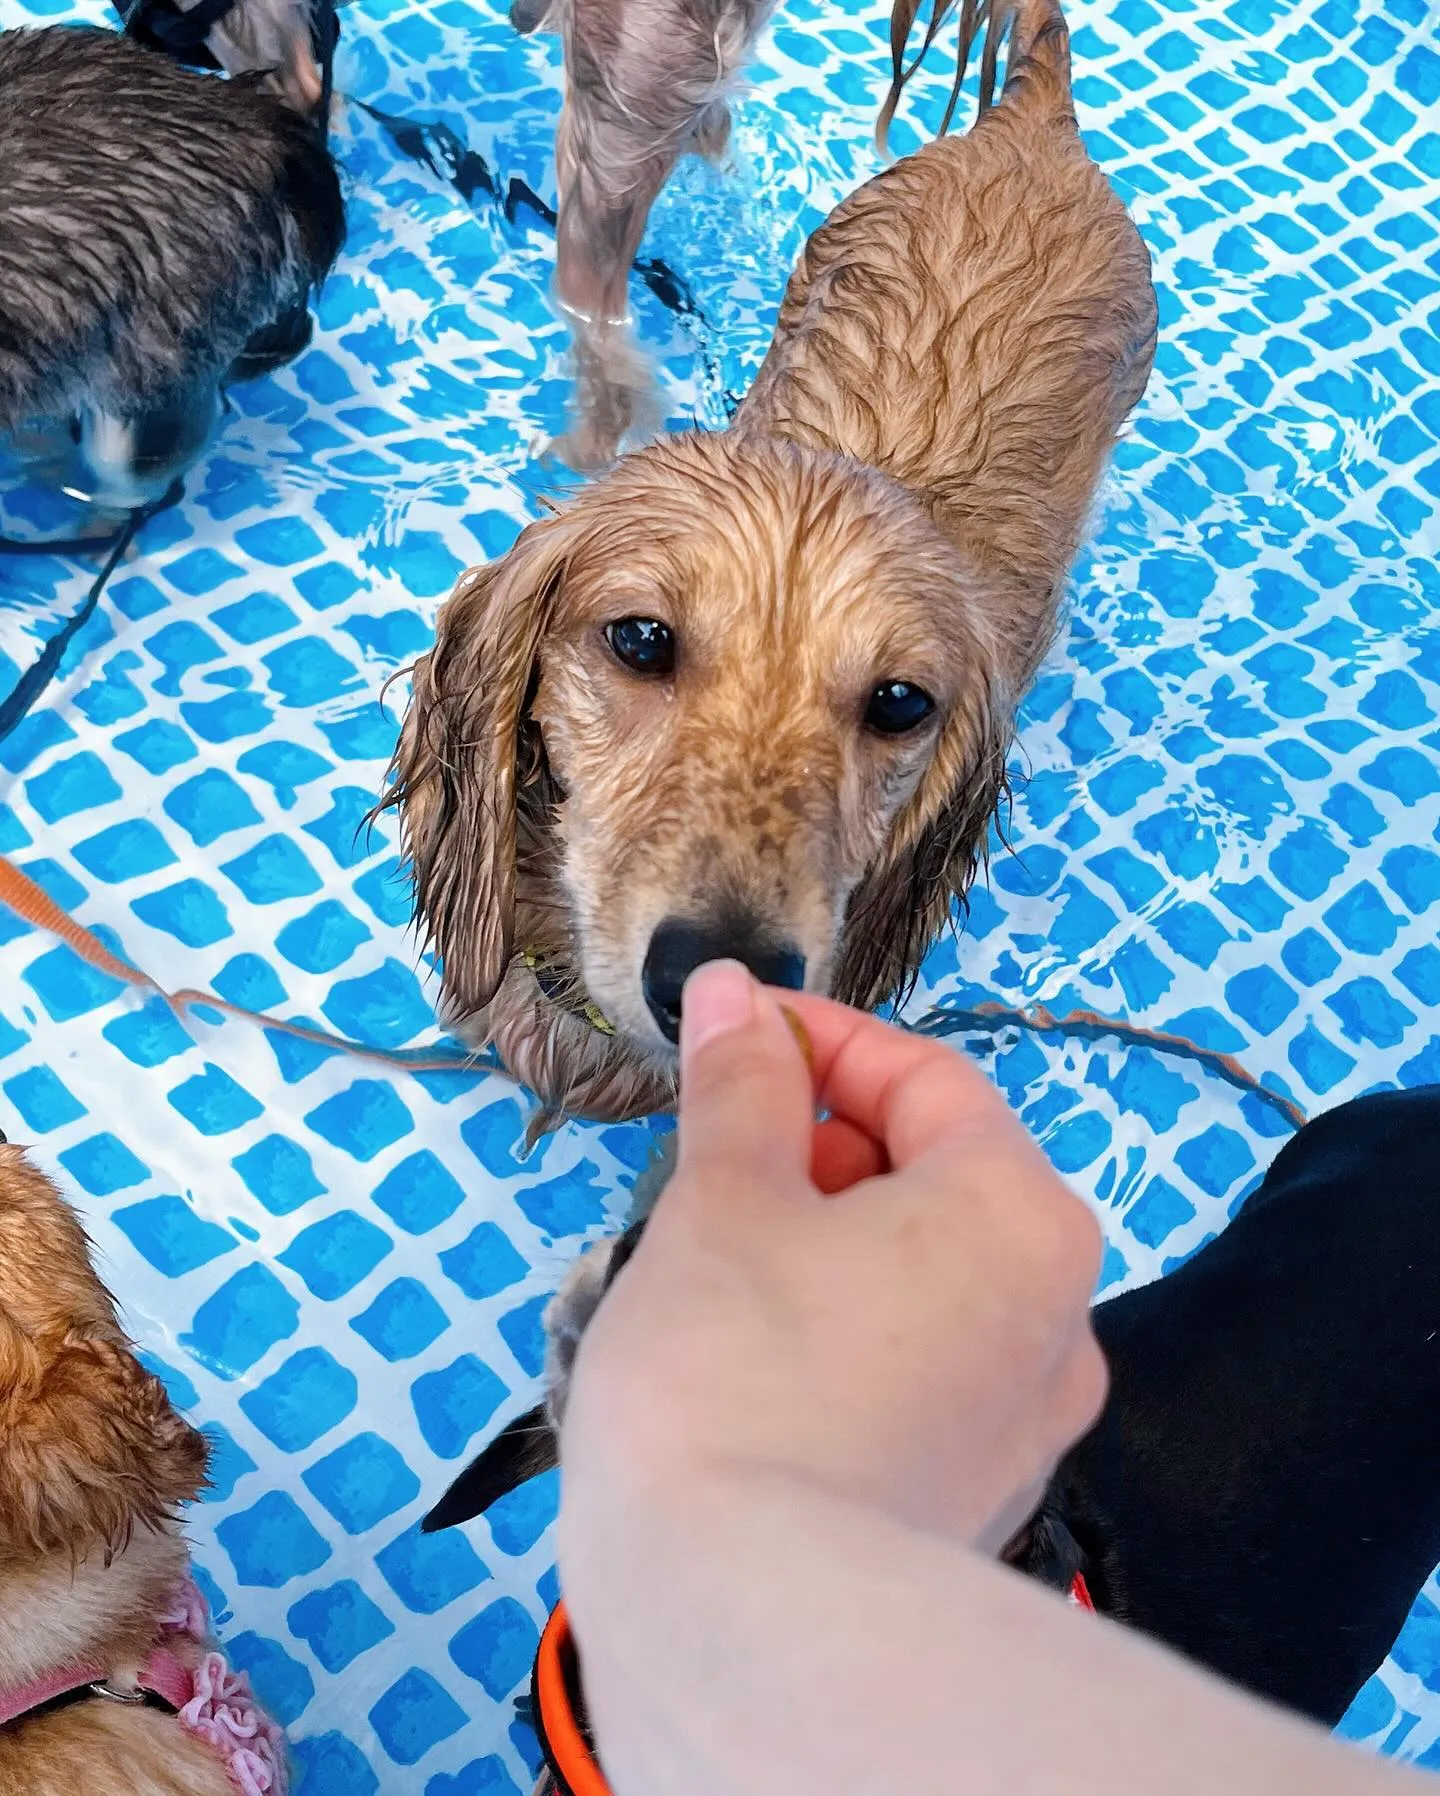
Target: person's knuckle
point(950, 1078)
point(1090, 1381)
point(1084, 1242)
point(1074, 1397)
point(1067, 1251)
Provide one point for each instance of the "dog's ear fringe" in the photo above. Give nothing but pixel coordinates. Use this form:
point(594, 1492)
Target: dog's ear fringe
point(1046, 1550)
point(91, 1447)
point(453, 777)
point(993, 14)
point(526, 1447)
point(523, 1450)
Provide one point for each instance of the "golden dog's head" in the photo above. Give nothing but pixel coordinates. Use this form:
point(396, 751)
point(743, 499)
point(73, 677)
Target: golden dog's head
point(91, 1449)
point(738, 699)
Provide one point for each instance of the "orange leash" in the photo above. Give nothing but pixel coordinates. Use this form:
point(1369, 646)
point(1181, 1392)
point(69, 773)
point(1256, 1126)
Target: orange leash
point(19, 893)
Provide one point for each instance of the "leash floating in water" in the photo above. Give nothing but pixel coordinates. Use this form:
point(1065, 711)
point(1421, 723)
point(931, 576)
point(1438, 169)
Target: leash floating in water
point(1091, 1025)
point(43, 668)
point(20, 893)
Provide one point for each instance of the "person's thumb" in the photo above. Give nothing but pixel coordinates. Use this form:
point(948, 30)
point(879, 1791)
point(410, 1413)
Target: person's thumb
point(746, 1100)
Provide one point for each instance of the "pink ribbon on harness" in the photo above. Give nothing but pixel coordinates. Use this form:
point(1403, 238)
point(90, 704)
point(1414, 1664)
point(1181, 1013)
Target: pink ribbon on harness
point(214, 1703)
point(217, 1704)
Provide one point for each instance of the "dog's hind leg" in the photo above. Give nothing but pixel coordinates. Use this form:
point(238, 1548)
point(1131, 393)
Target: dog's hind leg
point(645, 83)
point(616, 394)
point(609, 171)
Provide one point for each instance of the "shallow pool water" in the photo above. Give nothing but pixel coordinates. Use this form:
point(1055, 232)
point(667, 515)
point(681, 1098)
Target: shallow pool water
point(1227, 787)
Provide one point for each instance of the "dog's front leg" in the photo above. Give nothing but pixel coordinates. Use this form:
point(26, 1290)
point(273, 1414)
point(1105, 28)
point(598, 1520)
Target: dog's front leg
point(606, 192)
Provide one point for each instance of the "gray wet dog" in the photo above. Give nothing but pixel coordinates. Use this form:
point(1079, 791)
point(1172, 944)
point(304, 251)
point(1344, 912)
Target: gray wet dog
point(646, 82)
point(161, 232)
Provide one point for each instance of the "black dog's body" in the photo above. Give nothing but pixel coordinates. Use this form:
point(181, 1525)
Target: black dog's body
point(1262, 1492)
point(153, 221)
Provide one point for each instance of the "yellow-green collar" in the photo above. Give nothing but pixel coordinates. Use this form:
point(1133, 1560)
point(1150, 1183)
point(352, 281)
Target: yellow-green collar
point(555, 990)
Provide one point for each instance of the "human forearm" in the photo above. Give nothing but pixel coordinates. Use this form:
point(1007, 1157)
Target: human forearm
point(749, 1635)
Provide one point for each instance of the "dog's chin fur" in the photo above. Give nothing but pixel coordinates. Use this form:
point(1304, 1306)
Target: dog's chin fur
point(58, 1610)
point(576, 1068)
point(103, 1748)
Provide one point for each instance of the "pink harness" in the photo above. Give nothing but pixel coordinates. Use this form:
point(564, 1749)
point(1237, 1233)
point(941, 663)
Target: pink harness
point(214, 1702)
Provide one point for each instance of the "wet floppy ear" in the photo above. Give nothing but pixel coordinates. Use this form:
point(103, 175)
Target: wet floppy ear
point(520, 1452)
point(453, 779)
point(90, 1445)
point(530, 1444)
point(936, 846)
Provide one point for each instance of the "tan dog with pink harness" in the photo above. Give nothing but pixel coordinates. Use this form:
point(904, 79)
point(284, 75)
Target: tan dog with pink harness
point(109, 1679)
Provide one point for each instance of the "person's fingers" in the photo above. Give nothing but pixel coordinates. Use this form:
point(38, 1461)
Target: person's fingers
point(746, 1103)
point(841, 1155)
point(907, 1092)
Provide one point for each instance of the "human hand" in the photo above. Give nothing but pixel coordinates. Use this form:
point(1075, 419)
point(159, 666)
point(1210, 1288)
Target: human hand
point(892, 1303)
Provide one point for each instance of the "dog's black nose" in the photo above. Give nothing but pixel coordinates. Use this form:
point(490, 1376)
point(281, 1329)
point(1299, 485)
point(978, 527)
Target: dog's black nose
point(678, 947)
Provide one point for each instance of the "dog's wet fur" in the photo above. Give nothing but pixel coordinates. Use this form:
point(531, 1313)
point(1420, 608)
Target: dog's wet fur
point(95, 1465)
point(160, 232)
point(1262, 1491)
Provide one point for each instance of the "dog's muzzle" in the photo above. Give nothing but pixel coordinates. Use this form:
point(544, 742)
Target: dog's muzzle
point(678, 947)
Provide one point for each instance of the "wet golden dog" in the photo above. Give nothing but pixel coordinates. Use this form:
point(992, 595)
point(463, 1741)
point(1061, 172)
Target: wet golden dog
point(751, 694)
point(94, 1464)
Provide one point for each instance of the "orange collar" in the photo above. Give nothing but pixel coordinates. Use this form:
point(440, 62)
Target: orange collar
point(559, 1712)
point(559, 1708)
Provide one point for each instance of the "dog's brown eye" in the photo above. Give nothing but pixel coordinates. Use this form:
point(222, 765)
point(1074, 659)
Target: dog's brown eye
point(643, 644)
point(896, 707)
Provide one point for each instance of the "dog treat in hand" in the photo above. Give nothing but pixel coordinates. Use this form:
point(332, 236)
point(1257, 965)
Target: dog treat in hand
point(801, 1034)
